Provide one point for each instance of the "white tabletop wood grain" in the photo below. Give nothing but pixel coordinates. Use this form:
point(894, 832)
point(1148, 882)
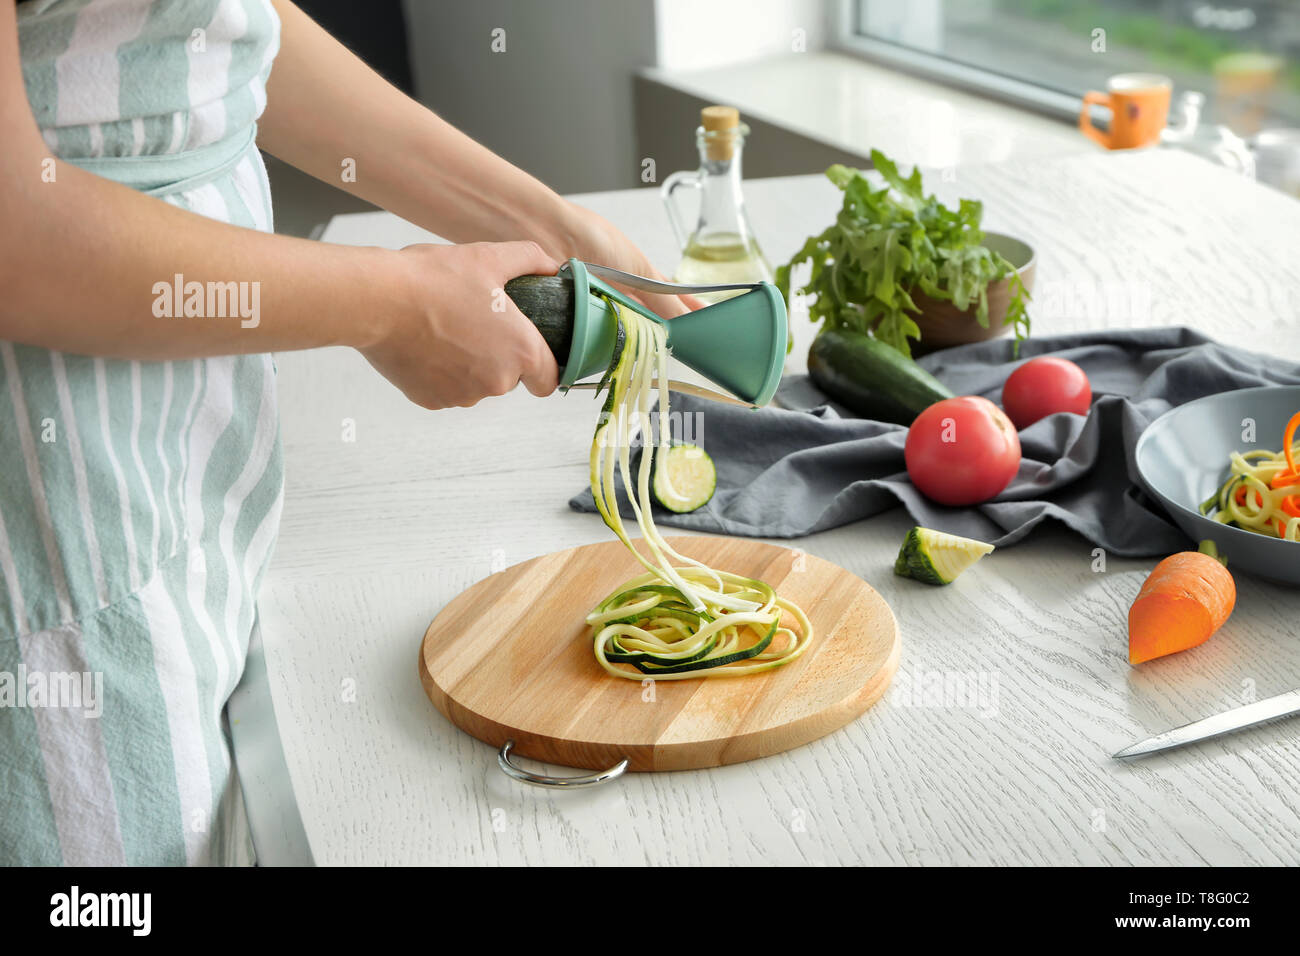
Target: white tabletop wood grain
point(1014, 689)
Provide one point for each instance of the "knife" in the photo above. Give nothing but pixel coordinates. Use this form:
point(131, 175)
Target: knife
point(1271, 708)
point(645, 284)
point(684, 387)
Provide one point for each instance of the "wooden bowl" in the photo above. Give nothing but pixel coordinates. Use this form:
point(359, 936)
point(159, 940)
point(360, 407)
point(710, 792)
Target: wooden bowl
point(942, 324)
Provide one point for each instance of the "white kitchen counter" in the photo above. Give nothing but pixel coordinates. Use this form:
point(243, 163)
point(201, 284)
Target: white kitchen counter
point(381, 532)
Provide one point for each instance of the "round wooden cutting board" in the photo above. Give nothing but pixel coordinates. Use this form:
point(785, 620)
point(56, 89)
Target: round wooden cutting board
point(511, 659)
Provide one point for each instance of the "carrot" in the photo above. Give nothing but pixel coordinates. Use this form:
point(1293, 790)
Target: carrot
point(1288, 439)
point(1186, 598)
point(1288, 476)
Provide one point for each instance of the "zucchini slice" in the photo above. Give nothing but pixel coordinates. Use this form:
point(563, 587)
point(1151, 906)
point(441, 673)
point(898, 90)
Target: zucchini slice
point(684, 478)
point(936, 557)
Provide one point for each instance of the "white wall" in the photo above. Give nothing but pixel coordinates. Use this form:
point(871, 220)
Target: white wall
point(558, 101)
point(699, 34)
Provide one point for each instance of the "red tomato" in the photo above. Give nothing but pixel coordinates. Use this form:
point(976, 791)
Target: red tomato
point(1045, 386)
point(962, 451)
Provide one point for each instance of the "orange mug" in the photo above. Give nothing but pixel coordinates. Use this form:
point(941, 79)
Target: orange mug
point(1139, 106)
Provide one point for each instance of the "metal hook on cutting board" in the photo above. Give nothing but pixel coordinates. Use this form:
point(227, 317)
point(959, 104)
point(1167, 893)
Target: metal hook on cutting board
point(541, 780)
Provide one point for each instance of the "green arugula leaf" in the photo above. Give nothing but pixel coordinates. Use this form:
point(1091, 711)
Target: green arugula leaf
point(888, 244)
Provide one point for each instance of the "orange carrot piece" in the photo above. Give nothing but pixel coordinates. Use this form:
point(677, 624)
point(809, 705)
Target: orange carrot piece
point(1288, 439)
point(1291, 503)
point(1184, 600)
point(1291, 475)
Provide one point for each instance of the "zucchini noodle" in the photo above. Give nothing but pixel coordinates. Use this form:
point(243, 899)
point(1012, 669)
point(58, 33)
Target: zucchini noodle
point(680, 619)
point(1262, 493)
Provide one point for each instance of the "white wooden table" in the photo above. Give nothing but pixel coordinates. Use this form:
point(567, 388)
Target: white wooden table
point(1011, 766)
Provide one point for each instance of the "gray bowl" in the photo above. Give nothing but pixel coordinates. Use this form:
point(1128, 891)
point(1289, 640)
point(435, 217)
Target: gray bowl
point(1182, 457)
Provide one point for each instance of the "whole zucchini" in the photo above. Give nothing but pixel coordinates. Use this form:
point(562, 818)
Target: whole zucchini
point(871, 378)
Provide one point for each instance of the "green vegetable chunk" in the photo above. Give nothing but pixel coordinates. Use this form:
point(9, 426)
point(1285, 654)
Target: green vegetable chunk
point(936, 557)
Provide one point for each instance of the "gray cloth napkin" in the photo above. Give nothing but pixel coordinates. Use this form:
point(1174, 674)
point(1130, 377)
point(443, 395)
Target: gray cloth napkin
point(812, 465)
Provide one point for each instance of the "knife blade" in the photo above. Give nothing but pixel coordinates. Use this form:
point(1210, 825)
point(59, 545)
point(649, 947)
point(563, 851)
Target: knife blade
point(1239, 718)
point(645, 284)
point(684, 387)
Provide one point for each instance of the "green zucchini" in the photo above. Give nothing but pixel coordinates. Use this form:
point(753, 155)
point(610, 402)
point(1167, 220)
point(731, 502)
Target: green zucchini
point(871, 378)
point(680, 620)
point(548, 303)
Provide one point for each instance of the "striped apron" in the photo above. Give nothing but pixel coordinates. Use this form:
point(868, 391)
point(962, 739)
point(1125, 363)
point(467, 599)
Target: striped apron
point(139, 501)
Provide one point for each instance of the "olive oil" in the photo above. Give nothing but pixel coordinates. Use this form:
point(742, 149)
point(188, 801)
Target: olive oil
point(721, 248)
point(722, 258)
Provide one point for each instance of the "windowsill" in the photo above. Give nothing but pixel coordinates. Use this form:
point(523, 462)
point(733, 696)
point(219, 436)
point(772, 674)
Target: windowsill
point(853, 105)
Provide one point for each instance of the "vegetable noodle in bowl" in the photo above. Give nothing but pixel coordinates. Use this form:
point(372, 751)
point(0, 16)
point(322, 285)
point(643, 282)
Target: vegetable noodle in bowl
point(1262, 493)
point(1218, 464)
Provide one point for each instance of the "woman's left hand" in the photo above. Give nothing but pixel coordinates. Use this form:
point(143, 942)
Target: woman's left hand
point(595, 239)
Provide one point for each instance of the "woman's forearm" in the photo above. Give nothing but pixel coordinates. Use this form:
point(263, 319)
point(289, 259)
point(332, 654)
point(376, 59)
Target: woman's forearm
point(329, 114)
point(89, 266)
point(92, 267)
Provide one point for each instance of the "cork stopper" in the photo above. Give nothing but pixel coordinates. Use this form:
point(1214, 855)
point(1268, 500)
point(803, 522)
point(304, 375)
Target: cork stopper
point(721, 124)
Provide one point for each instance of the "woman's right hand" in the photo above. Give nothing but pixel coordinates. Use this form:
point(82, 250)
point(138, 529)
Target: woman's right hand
point(456, 338)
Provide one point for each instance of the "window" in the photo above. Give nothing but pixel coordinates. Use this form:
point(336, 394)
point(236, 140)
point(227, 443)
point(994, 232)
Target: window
point(1241, 54)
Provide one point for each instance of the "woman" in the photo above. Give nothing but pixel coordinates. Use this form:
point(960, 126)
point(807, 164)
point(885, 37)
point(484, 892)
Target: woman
point(141, 470)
